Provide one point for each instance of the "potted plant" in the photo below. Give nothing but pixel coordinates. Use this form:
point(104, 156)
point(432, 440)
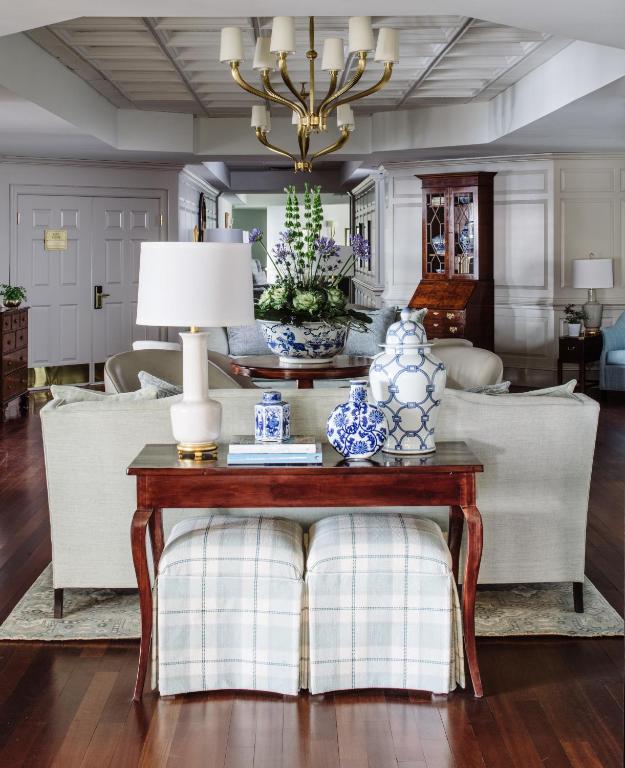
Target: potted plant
point(574, 318)
point(12, 295)
point(304, 313)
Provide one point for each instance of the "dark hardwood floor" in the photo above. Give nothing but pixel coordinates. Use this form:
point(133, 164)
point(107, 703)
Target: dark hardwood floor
point(550, 703)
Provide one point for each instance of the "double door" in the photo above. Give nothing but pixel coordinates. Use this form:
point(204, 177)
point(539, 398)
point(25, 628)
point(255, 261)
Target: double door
point(69, 325)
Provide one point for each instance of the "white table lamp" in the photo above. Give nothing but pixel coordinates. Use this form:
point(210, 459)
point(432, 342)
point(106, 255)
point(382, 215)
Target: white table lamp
point(592, 273)
point(195, 285)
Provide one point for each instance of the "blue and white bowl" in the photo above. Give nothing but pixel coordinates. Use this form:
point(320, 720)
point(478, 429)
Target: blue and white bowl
point(357, 429)
point(310, 342)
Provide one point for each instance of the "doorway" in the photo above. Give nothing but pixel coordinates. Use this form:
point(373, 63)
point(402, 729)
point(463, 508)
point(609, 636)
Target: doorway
point(71, 331)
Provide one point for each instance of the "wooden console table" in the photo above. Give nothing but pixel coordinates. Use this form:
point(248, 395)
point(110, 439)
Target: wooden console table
point(444, 478)
point(580, 350)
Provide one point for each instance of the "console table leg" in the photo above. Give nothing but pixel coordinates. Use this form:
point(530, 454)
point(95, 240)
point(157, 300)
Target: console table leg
point(454, 537)
point(138, 531)
point(469, 588)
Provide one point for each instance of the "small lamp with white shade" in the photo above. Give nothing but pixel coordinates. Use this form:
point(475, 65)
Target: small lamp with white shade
point(592, 273)
point(195, 285)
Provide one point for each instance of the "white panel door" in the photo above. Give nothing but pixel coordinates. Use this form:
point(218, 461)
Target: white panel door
point(120, 225)
point(58, 283)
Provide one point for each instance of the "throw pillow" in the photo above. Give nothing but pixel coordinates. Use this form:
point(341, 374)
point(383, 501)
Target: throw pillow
point(68, 394)
point(563, 390)
point(367, 344)
point(491, 389)
point(247, 340)
point(163, 388)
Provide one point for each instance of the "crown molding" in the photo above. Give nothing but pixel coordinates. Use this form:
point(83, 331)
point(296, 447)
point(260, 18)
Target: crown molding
point(86, 163)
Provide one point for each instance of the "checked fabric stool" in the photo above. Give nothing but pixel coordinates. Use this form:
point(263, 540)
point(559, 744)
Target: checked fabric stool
point(229, 605)
point(383, 608)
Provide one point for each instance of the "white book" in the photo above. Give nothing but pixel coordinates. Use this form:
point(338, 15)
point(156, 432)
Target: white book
point(297, 444)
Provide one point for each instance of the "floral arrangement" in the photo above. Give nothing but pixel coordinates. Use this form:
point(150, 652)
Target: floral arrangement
point(574, 316)
point(308, 268)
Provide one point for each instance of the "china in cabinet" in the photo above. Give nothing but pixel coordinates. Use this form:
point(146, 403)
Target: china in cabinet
point(457, 257)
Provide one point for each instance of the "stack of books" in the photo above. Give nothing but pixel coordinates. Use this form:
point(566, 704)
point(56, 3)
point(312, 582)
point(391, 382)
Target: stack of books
point(296, 450)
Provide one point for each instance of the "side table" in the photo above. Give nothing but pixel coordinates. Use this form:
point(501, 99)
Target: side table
point(581, 350)
point(270, 367)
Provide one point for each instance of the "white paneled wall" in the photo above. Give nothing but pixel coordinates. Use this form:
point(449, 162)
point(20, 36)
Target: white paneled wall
point(548, 211)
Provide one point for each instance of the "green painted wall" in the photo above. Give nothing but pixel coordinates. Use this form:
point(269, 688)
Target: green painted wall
point(248, 218)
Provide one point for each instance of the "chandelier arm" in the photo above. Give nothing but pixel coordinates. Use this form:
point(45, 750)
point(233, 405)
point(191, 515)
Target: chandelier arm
point(271, 94)
point(327, 105)
point(386, 76)
point(333, 147)
point(334, 78)
point(303, 140)
point(238, 78)
point(262, 137)
point(288, 82)
point(311, 55)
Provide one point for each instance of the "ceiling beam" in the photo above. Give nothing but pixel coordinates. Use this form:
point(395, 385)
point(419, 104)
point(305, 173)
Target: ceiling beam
point(162, 44)
point(458, 35)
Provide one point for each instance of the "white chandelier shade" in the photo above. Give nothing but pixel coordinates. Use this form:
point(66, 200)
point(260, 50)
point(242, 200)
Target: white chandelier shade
point(310, 114)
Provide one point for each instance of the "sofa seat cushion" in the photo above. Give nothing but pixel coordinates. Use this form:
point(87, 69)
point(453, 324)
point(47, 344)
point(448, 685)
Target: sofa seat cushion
point(234, 546)
point(377, 543)
point(616, 357)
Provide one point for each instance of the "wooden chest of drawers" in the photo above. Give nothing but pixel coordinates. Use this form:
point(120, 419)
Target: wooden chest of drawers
point(13, 357)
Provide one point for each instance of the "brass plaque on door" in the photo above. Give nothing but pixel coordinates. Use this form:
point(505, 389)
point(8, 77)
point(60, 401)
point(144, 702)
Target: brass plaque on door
point(55, 239)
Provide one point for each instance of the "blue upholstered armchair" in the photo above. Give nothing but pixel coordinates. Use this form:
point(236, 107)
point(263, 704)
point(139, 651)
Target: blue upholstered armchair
point(612, 365)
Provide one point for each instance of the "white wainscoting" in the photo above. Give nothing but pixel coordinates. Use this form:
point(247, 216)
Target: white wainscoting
point(549, 210)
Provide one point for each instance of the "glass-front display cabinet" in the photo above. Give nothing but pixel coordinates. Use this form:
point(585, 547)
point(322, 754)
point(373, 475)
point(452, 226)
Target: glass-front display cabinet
point(457, 256)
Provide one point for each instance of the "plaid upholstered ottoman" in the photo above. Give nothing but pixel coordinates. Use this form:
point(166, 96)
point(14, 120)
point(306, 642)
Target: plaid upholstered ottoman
point(229, 605)
point(383, 608)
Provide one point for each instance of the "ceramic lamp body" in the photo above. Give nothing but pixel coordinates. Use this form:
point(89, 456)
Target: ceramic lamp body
point(196, 419)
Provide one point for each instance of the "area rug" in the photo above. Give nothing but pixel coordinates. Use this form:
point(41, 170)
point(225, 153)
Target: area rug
point(104, 614)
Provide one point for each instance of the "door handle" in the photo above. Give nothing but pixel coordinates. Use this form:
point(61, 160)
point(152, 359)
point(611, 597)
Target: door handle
point(98, 296)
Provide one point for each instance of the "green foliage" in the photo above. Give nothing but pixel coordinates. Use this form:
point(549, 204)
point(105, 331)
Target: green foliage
point(574, 316)
point(12, 292)
point(309, 269)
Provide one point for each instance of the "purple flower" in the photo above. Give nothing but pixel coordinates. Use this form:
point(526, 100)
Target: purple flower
point(255, 235)
point(360, 249)
point(326, 248)
point(281, 253)
point(287, 236)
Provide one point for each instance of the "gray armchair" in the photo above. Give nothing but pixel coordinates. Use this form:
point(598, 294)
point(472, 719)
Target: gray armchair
point(120, 371)
point(612, 362)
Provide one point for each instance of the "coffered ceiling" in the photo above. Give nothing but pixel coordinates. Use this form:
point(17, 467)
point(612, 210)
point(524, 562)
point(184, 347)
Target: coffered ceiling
point(171, 64)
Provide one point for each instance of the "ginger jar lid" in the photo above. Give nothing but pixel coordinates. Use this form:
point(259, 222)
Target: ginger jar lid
point(408, 331)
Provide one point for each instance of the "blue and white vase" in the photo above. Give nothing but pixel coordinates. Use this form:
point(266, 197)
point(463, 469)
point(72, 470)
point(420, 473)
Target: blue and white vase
point(407, 383)
point(272, 418)
point(357, 429)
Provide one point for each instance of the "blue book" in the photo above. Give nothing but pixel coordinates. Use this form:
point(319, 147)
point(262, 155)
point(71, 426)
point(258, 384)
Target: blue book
point(275, 458)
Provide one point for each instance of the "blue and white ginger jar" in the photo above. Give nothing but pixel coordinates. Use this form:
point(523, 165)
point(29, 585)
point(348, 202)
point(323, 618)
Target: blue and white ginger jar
point(357, 429)
point(407, 382)
point(272, 417)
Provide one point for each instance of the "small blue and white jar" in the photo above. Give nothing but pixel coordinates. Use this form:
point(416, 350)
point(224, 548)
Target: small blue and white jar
point(357, 429)
point(272, 418)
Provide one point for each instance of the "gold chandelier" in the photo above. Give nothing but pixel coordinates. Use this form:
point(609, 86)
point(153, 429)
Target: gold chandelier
point(310, 117)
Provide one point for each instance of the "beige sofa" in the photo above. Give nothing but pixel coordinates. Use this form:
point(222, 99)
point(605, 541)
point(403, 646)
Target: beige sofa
point(533, 495)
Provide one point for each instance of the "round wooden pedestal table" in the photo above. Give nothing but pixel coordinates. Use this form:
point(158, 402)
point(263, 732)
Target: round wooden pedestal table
point(270, 367)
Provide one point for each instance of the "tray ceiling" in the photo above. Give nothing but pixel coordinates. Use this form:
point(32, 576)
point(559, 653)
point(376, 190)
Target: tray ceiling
point(171, 64)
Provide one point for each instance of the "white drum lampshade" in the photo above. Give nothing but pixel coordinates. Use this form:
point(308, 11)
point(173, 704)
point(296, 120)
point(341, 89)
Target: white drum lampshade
point(195, 285)
point(592, 274)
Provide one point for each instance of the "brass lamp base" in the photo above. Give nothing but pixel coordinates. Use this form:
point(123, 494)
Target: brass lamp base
point(197, 451)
